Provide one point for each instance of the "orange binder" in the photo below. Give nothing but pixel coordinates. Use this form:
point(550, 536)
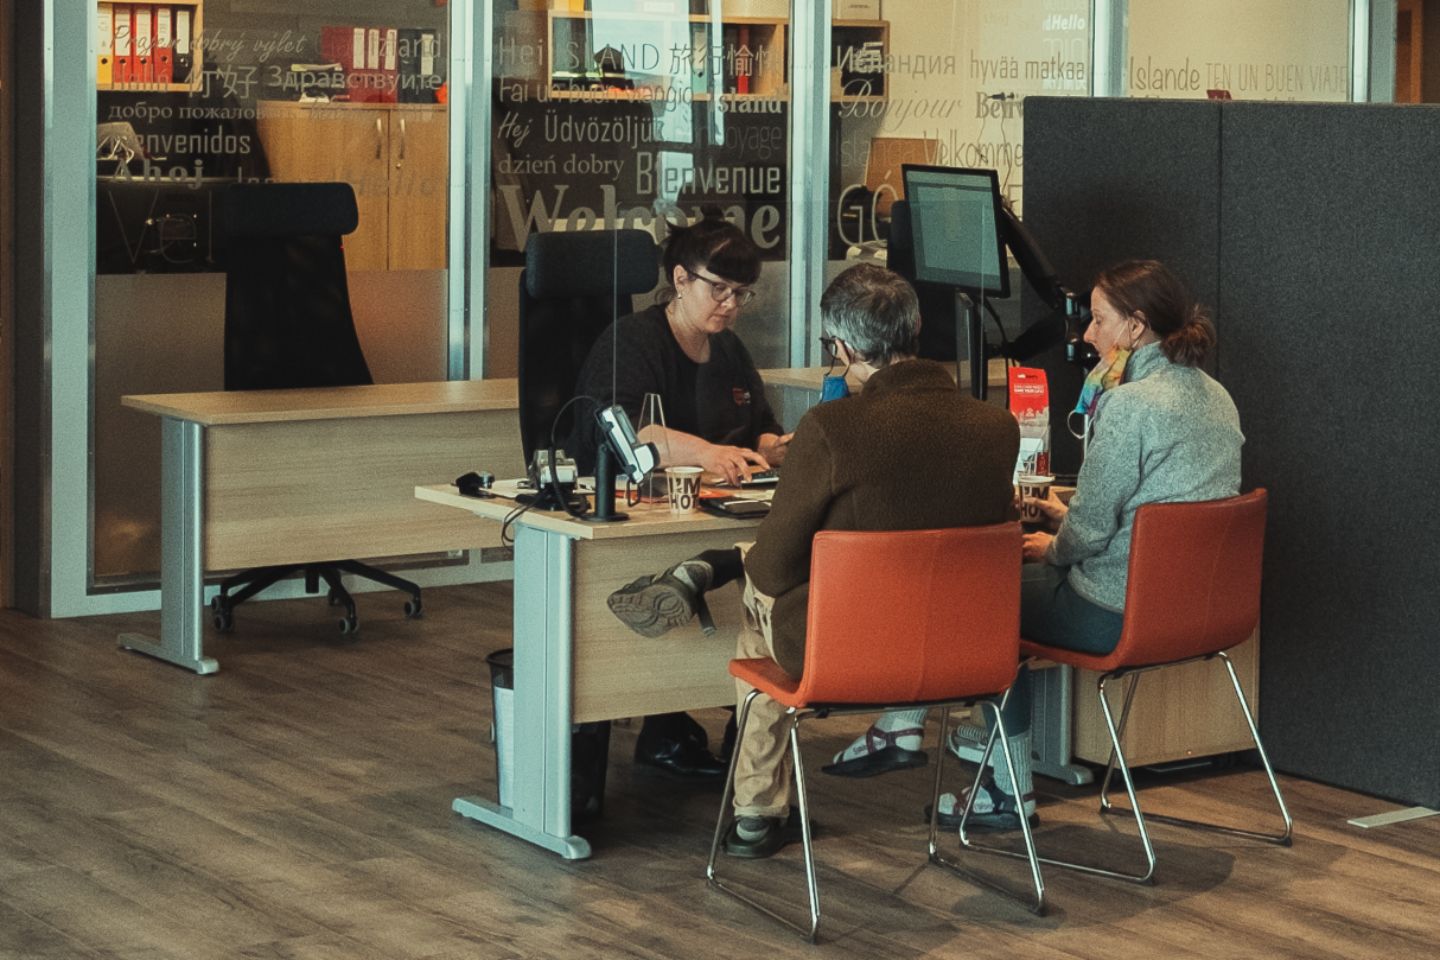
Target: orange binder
point(124, 47)
point(142, 28)
point(105, 37)
point(164, 46)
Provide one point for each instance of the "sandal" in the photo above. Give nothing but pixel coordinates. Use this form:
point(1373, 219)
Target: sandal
point(995, 811)
point(882, 755)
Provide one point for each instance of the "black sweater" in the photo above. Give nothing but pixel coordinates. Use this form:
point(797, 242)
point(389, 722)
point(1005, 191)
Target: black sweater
point(721, 401)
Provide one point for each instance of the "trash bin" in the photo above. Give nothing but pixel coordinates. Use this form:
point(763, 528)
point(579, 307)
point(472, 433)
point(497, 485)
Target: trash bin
point(502, 695)
point(589, 745)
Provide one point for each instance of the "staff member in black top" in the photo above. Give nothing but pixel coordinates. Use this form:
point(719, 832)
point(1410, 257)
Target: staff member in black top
point(684, 350)
point(716, 414)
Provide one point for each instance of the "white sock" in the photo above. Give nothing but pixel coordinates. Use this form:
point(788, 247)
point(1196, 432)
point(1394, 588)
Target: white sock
point(1023, 783)
point(885, 723)
point(695, 574)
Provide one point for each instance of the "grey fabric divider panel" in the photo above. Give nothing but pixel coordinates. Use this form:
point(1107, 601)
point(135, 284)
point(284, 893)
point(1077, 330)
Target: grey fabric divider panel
point(1108, 180)
point(1330, 294)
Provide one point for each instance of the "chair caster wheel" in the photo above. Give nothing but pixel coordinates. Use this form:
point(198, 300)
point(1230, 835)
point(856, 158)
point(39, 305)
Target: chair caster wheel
point(349, 626)
point(217, 603)
point(223, 620)
point(412, 608)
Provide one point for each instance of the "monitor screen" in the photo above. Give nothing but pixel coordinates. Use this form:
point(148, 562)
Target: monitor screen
point(955, 222)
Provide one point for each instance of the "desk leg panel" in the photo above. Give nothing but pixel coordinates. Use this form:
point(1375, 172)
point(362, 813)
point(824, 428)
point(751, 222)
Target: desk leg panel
point(543, 683)
point(182, 582)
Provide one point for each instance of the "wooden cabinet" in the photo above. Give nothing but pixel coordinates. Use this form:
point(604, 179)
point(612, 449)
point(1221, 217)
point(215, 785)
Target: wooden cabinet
point(396, 156)
point(1179, 712)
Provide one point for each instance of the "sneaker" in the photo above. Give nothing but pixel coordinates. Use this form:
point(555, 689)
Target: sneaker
point(654, 605)
point(995, 811)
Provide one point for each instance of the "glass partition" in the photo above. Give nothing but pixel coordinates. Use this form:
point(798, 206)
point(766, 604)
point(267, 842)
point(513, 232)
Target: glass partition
point(1240, 49)
point(649, 115)
point(195, 95)
point(939, 84)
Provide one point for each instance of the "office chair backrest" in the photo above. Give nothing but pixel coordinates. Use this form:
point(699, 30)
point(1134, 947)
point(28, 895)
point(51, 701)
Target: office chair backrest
point(937, 301)
point(573, 286)
point(287, 300)
point(1193, 585)
point(912, 616)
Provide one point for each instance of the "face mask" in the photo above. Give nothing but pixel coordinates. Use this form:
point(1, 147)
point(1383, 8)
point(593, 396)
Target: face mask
point(834, 387)
point(1104, 376)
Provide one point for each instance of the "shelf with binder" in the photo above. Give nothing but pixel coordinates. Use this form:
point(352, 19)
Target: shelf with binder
point(622, 57)
point(859, 50)
point(150, 45)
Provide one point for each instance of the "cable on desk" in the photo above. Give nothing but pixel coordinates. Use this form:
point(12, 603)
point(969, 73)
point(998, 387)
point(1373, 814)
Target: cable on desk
point(506, 540)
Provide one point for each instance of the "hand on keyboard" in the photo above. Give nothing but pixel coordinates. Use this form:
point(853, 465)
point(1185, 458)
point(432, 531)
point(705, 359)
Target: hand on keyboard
point(761, 478)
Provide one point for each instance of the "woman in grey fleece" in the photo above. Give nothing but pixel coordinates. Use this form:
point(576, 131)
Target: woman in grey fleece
point(1165, 431)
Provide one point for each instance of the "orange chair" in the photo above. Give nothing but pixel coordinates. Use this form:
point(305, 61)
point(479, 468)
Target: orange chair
point(896, 619)
point(1193, 592)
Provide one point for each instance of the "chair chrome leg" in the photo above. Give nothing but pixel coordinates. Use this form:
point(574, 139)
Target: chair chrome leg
point(729, 790)
point(803, 798)
point(713, 878)
point(1120, 729)
point(1118, 757)
point(1038, 908)
point(942, 749)
point(1284, 838)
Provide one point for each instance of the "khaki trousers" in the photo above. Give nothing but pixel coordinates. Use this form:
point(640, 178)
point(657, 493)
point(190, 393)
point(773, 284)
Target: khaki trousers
point(762, 756)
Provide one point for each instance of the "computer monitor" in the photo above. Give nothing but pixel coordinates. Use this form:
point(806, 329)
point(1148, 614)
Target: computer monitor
point(955, 216)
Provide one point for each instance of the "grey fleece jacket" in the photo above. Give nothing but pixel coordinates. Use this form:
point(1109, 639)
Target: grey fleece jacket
point(1167, 433)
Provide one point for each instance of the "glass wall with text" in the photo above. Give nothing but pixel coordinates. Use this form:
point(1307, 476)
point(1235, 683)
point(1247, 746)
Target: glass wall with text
point(648, 115)
point(194, 96)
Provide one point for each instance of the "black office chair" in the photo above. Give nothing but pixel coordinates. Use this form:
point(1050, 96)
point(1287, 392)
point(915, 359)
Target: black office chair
point(937, 300)
point(288, 325)
point(572, 287)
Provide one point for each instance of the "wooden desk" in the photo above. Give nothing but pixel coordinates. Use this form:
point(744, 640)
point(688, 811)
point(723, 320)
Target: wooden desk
point(574, 662)
point(254, 478)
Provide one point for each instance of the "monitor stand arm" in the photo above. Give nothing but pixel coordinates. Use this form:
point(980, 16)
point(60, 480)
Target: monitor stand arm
point(968, 317)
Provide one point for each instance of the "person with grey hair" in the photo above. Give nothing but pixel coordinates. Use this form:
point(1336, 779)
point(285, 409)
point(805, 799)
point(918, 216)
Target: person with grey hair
point(911, 451)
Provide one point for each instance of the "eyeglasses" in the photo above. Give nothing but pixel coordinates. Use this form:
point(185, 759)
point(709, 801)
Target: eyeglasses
point(723, 292)
point(827, 344)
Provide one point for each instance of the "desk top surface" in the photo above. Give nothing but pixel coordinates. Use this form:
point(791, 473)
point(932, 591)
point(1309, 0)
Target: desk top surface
point(646, 519)
point(329, 403)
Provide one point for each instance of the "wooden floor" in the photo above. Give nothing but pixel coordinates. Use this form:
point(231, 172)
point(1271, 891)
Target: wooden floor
point(297, 805)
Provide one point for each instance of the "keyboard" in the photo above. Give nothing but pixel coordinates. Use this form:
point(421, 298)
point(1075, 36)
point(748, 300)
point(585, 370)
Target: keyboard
point(762, 478)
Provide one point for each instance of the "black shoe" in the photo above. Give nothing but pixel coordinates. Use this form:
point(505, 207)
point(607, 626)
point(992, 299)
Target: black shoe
point(680, 757)
point(880, 761)
point(777, 834)
point(654, 605)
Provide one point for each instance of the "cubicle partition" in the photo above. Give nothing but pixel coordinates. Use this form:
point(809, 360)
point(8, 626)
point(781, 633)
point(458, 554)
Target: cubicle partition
point(1312, 230)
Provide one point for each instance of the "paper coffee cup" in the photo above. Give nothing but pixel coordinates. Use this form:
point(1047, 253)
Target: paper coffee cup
point(1037, 486)
point(684, 484)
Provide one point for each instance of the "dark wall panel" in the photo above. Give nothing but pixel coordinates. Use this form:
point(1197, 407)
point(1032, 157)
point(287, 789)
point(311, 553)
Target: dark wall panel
point(1313, 230)
point(1107, 180)
point(1330, 266)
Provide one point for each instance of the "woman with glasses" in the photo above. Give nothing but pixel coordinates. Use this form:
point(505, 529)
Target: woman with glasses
point(684, 350)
